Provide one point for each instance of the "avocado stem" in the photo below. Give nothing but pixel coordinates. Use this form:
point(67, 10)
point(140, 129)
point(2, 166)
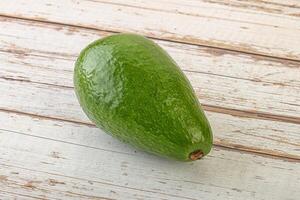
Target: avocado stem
point(196, 155)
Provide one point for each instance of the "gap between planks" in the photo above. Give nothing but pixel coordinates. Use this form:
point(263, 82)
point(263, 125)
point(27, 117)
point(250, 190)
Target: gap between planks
point(41, 20)
point(235, 112)
point(214, 22)
point(212, 108)
point(240, 148)
point(193, 176)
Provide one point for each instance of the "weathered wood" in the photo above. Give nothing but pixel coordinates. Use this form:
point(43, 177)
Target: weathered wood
point(33, 59)
point(275, 138)
point(58, 159)
point(5, 195)
point(212, 90)
point(270, 29)
point(50, 150)
point(21, 182)
point(221, 78)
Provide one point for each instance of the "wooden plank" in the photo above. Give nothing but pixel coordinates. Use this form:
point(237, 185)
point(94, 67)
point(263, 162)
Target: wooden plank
point(229, 131)
point(210, 23)
point(246, 134)
point(94, 163)
point(194, 7)
point(33, 59)
point(189, 57)
point(279, 139)
point(52, 164)
point(212, 90)
point(221, 78)
point(33, 184)
point(4, 195)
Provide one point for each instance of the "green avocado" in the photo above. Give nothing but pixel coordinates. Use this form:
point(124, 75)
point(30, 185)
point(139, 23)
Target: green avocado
point(132, 89)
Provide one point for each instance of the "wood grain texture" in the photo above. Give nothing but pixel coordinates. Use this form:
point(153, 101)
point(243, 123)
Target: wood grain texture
point(242, 58)
point(34, 184)
point(59, 166)
point(37, 79)
point(254, 135)
point(5, 195)
point(220, 78)
point(266, 28)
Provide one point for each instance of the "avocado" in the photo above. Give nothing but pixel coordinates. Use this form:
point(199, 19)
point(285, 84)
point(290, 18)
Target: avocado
point(132, 89)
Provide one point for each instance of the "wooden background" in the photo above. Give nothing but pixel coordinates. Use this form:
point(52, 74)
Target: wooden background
point(242, 58)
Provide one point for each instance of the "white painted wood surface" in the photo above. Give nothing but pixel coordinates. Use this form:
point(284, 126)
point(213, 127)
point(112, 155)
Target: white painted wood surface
point(226, 79)
point(268, 28)
point(54, 67)
point(55, 150)
point(242, 58)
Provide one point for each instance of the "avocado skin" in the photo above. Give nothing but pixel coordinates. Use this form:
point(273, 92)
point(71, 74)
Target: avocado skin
point(131, 88)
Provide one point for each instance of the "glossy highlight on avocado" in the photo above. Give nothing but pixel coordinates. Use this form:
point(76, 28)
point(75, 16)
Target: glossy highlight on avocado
point(132, 89)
